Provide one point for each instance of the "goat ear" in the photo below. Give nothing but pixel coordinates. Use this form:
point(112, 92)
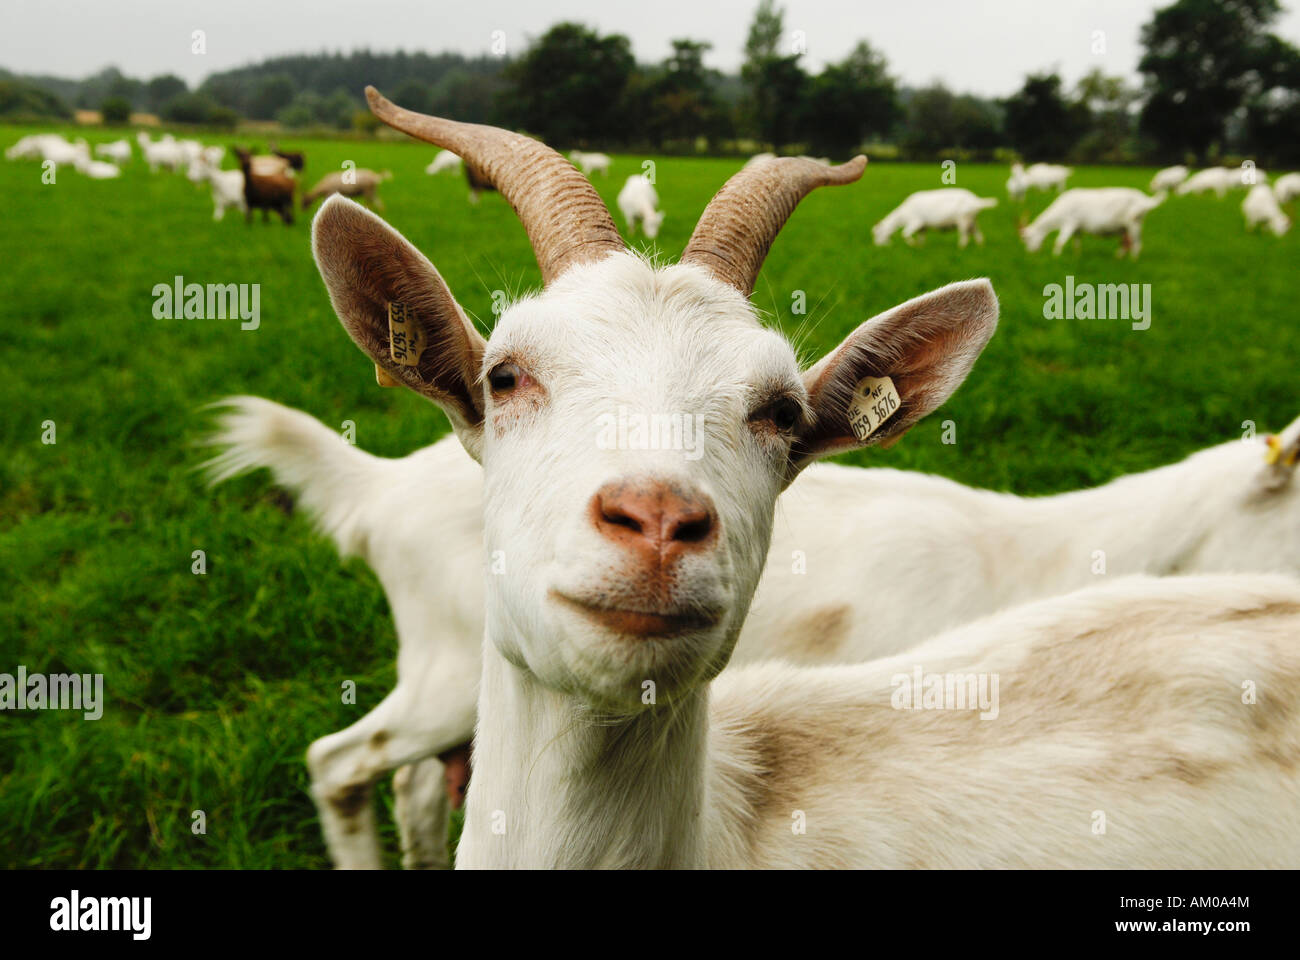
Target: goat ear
point(397, 309)
point(1281, 457)
point(894, 369)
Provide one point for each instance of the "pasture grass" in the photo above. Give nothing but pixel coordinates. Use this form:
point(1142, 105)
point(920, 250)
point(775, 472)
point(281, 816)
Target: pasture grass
point(215, 684)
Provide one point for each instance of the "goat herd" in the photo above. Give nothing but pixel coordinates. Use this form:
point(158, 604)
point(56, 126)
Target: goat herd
point(736, 657)
point(266, 182)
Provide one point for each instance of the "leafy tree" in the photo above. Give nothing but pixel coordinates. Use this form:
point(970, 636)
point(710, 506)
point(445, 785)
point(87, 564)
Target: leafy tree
point(163, 88)
point(115, 111)
point(1203, 60)
point(939, 120)
point(850, 101)
point(415, 95)
point(1040, 122)
point(22, 100)
point(679, 101)
point(775, 81)
point(569, 84)
point(1109, 104)
point(188, 108)
point(271, 95)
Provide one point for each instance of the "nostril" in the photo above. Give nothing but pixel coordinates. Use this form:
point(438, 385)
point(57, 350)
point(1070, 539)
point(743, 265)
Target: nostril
point(618, 518)
point(692, 529)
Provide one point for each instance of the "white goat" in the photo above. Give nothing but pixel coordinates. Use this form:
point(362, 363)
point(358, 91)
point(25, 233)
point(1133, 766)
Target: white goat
point(1287, 187)
point(1105, 211)
point(1168, 178)
point(33, 146)
point(1261, 206)
point(638, 203)
point(1221, 180)
point(63, 154)
point(602, 738)
point(445, 160)
point(165, 152)
point(951, 208)
point(96, 169)
point(227, 185)
point(590, 163)
point(1038, 176)
point(119, 151)
point(1231, 508)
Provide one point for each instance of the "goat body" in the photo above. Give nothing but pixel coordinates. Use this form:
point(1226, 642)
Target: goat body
point(1261, 206)
point(951, 208)
point(638, 203)
point(1104, 212)
point(352, 183)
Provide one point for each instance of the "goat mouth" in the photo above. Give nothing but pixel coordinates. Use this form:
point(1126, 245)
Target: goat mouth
point(640, 623)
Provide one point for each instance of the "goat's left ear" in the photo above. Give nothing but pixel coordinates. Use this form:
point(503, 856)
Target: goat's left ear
point(397, 308)
point(1281, 458)
point(895, 369)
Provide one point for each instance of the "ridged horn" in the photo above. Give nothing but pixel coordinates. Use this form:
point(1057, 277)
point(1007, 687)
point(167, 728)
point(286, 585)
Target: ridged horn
point(741, 221)
point(565, 218)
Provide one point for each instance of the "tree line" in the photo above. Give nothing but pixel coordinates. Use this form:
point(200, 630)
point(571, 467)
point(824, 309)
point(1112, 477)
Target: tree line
point(1216, 82)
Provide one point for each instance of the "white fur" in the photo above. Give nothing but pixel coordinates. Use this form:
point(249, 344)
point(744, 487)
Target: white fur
point(951, 208)
point(1105, 211)
point(119, 151)
point(227, 185)
point(1261, 206)
point(1221, 510)
point(445, 160)
point(1168, 178)
point(1221, 180)
point(165, 152)
point(1038, 176)
point(590, 163)
point(639, 204)
point(1287, 187)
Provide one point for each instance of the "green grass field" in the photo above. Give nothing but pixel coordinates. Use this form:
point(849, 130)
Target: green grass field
point(215, 684)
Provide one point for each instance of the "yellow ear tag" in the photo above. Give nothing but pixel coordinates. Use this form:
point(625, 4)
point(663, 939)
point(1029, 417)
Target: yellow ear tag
point(875, 400)
point(1274, 452)
point(406, 339)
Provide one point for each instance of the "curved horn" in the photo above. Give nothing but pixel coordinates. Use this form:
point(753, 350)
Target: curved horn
point(566, 220)
point(741, 221)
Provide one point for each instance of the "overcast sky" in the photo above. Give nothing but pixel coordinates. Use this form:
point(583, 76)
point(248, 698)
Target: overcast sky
point(984, 46)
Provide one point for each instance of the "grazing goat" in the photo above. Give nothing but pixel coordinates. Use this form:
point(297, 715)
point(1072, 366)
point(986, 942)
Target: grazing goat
point(227, 185)
point(265, 192)
point(1106, 211)
point(1233, 507)
point(445, 160)
point(1168, 178)
point(1039, 176)
point(591, 162)
point(602, 737)
point(1261, 206)
point(165, 152)
point(33, 146)
point(1221, 180)
point(353, 183)
point(96, 169)
point(638, 203)
point(119, 151)
point(478, 183)
point(951, 208)
point(1287, 187)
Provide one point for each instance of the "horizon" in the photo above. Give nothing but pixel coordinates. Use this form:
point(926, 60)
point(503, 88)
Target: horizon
point(975, 53)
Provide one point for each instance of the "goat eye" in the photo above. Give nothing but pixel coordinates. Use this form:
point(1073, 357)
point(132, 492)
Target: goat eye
point(783, 414)
point(504, 376)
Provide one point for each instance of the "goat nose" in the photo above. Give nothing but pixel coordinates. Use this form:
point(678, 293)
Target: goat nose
point(654, 518)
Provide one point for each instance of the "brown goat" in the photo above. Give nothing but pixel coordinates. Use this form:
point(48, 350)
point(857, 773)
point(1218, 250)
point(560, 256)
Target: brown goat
point(478, 183)
point(362, 183)
point(266, 192)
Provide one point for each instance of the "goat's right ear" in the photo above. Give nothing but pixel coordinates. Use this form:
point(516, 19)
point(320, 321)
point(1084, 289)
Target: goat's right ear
point(397, 308)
